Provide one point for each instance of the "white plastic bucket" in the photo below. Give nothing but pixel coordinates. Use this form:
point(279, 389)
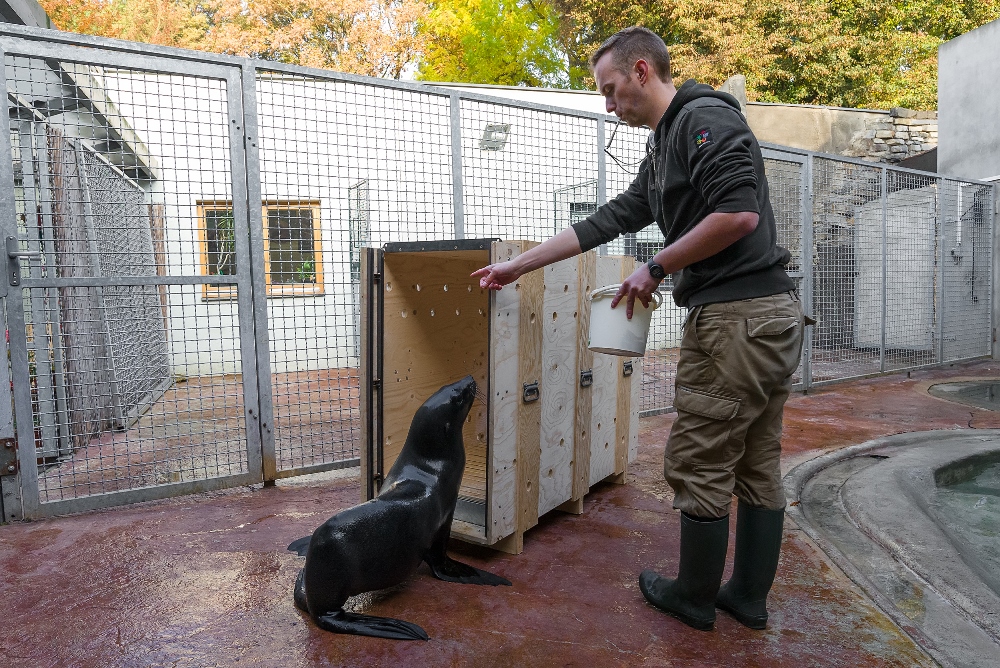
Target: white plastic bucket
point(611, 332)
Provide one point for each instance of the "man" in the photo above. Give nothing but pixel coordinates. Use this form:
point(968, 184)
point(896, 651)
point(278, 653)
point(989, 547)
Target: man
point(703, 183)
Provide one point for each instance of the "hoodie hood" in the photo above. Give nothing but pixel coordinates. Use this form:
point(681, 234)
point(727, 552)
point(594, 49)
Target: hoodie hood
point(691, 90)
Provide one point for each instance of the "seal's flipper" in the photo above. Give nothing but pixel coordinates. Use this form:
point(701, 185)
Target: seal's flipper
point(367, 625)
point(447, 569)
point(300, 592)
point(300, 546)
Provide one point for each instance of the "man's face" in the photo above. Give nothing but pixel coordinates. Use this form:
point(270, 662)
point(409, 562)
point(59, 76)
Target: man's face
point(622, 93)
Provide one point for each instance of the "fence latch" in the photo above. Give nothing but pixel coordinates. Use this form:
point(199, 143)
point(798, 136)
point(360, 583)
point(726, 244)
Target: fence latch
point(587, 378)
point(530, 392)
point(627, 368)
point(14, 253)
point(8, 457)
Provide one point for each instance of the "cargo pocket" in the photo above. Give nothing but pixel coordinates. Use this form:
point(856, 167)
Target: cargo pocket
point(699, 442)
point(706, 405)
point(771, 325)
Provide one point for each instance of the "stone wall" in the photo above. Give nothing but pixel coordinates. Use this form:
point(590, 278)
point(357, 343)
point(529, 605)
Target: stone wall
point(904, 133)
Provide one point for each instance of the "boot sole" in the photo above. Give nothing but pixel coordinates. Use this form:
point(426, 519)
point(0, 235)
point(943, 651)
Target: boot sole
point(755, 623)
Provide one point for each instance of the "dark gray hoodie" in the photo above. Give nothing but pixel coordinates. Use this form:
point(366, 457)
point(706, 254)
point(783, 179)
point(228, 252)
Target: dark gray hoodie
point(702, 159)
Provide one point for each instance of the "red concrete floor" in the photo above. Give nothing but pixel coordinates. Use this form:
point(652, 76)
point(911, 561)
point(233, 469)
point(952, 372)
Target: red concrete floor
point(205, 580)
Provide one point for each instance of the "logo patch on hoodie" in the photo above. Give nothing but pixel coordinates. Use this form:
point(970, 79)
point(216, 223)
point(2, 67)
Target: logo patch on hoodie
point(702, 137)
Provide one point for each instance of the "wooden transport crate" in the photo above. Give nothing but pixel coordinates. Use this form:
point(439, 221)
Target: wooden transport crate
point(557, 418)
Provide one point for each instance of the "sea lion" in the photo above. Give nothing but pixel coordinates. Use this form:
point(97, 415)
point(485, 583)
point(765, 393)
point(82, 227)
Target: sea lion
point(379, 543)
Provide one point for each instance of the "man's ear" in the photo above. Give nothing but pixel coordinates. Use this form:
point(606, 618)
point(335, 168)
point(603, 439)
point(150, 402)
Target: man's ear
point(641, 69)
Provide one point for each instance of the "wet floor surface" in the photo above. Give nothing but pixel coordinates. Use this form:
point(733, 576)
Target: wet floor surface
point(205, 580)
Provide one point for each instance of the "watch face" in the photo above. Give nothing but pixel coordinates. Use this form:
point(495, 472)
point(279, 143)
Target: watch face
point(656, 271)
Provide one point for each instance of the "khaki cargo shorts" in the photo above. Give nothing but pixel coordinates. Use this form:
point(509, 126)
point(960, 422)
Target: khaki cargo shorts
point(733, 376)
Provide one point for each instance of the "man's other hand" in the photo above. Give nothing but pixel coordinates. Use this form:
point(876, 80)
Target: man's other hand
point(640, 285)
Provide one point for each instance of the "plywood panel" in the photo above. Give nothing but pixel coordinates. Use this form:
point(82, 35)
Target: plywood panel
point(604, 397)
point(560, 379)
point(436, 330)
point(505, 398)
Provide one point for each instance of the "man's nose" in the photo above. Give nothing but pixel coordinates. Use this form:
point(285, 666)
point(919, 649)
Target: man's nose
point(609, 104)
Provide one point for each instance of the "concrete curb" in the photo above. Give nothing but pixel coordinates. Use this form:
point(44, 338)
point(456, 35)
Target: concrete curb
point(878, 488)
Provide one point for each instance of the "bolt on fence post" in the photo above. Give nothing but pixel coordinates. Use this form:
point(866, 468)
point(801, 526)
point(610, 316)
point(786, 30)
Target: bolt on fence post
point(457, 190)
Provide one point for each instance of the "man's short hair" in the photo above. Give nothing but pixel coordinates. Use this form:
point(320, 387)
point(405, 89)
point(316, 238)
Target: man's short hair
point(632, 44)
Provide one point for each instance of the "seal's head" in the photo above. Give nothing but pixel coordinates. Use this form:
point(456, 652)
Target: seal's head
point(446, 410)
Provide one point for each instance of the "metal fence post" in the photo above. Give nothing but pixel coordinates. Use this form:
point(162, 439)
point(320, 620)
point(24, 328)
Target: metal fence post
point(26, 480)
point(256, 321)
point(942, 293)
point(807, 267)
point(885, 277)
point(457, 190)
point(602, 174)
point(995, 200)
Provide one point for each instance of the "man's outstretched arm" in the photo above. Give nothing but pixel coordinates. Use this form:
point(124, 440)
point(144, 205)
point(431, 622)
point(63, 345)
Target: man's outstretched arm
point(563, 245)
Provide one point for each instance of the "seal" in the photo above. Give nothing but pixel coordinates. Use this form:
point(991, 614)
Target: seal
point(381, 542)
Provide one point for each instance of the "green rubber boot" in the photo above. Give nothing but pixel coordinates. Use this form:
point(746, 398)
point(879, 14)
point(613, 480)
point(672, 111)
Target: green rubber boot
point(691, 597)
point(758, 543)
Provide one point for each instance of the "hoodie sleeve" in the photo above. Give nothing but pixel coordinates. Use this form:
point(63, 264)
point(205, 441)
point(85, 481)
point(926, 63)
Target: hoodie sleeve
point(628, 212)
point(717, 143)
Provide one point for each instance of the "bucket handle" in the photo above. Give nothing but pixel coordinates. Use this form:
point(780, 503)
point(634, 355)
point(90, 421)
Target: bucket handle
point(613, 290)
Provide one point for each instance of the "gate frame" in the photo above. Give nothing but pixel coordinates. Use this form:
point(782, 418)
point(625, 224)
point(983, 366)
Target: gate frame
point(34, 43)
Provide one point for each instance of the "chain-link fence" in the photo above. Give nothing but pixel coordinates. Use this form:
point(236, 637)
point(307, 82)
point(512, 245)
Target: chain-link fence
point(189, 229)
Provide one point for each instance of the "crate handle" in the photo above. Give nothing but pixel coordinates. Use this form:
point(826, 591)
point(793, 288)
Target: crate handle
point(587, 378)
point(530, 392)
point(627, 368)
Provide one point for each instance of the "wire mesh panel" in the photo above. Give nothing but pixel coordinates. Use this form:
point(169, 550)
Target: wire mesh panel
point(847, 266)
point(342, 165)
point(526, 173)
point(134, 351)
point(785, 183)
point(908, 255)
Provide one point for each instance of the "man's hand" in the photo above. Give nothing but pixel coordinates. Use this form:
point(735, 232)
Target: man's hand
point(640, 285)
point(495, 276)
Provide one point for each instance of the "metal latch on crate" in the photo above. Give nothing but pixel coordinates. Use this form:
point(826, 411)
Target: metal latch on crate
point(587, 378)
point(627, 368)
point(530, 392)
point(8, 457)
point(14, 253)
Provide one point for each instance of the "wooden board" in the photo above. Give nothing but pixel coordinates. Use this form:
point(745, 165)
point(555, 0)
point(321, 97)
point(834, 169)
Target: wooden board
point(623, 412)
point(505, 401)
point(633, 439)
point(529, 413)
point(436, 330)
point(587, 277)
point(559, 382)
point(607, 369)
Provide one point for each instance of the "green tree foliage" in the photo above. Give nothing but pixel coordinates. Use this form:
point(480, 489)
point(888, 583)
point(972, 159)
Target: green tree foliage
point(506, 42)
point(853, 53)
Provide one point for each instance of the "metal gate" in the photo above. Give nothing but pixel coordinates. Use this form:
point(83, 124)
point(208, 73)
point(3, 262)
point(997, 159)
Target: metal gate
point(114, 400)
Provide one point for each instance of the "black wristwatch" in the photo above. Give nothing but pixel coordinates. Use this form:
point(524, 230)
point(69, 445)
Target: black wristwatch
point(655, 270)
